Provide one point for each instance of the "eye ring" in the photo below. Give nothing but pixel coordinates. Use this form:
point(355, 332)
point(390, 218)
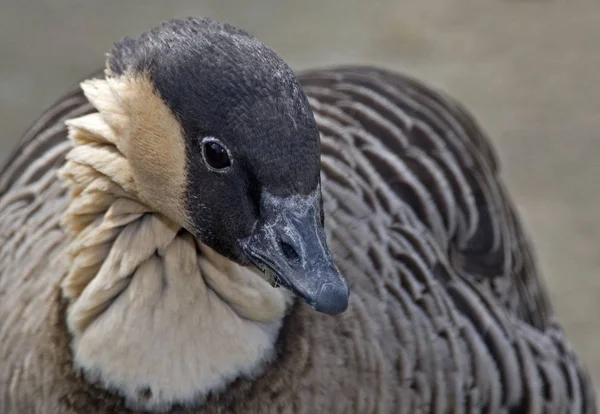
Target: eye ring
point(216, 155)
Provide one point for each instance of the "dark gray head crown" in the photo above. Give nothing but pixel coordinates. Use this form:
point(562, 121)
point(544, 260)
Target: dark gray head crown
point(219, 80)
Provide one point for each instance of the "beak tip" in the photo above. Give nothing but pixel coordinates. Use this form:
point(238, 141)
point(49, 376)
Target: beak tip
point(332, 299)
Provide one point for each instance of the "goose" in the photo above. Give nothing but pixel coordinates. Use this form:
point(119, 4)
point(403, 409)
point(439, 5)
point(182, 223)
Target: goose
point(198, 229)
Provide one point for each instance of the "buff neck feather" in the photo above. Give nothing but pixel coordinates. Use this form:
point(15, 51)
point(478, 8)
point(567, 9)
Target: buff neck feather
point(155, 315)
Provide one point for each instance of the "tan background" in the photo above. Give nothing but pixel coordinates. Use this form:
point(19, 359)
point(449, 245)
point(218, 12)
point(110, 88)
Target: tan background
point(529, 70)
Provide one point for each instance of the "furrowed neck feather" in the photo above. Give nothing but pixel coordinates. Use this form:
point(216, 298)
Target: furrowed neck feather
point(155, 315)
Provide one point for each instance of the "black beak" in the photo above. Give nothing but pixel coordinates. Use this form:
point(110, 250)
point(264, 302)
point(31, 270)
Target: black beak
point(290, 243)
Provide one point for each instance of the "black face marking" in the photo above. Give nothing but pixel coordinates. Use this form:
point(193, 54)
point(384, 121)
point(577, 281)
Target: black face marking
point(222, 83)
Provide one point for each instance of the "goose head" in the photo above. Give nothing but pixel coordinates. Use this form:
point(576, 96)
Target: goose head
point(195, 196)
point(221, 139)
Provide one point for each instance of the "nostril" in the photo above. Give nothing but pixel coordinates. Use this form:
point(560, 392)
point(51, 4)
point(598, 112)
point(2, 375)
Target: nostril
point(288, 251)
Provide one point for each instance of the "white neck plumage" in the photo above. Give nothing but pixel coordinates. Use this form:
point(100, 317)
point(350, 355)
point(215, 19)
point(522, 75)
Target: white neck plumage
point(155, 315)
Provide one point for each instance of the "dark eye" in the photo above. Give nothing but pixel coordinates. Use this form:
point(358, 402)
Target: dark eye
point(215, 154)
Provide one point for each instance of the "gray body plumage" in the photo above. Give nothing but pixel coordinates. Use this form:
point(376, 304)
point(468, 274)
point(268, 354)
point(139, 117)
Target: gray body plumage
point(447, 311)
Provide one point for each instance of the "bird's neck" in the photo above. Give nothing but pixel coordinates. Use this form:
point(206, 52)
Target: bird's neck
point(155, 315)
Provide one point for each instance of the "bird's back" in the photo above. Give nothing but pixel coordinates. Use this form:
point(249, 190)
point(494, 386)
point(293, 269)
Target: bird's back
point(422, 226)
point(447, 310)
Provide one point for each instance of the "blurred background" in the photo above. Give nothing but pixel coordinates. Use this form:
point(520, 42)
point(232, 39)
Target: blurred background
point(528, 70)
